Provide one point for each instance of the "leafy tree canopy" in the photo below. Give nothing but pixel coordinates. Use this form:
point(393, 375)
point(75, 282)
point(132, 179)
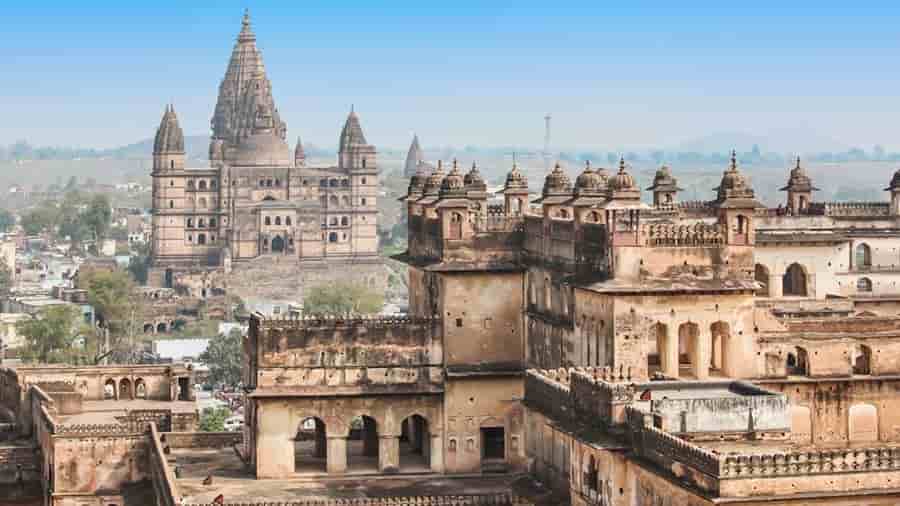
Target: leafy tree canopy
point(50, 334)
point(223, 357)
point(7, 220)
point(213, 419)
point(342, 298)
point(110, 292)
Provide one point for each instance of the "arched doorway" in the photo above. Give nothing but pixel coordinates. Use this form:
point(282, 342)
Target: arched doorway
point(657, 358)
point(863, 257)
point(794, 281)
point(415, 444)
point(277, 244)
point(761, 276)
point(125, 389)
point(161, 328)
point(109, 389)
point(310, 447)
point(140, 389)
point(148, 328)
point(169, 278)
point(590, 478)
point(797, 363)
point(362, 444)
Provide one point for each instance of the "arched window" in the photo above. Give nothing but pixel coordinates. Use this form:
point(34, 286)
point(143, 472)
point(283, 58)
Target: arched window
point(344, 221)
point(797, 363)
point(456, 223)
point(332, 237)
point(864, 285)
point(171, 164)
point(333, 200)
point(262, 182)
point(862, 359)
point(201, 223)
point(363, 180)
point(345, 183)
point(333, 183)
point(278, 220)
point(201, 202)
point(212, 184)
point(334, 221)
point(190, 222)
point(287, 221)
point(190, 184)
point(201, 238)
point(794, 281)
point(863, 257)
point(345, 201)
point(742, 224)
point(277, 182)
point(267, 221)
point(212, 223)
point(269, 183)
point(323, 183)
point(171, 204)
point(761, 275)
point(202, 185)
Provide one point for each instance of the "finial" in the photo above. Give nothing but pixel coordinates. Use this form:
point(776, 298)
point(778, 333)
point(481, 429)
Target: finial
point(246, 20)
point(587, 165)
point(557, 167)
point(474, 167)
point(733, 159)
point(440, 164)
point(622, 163)
point(798, 161)
point(351, 109)
point(454, 164)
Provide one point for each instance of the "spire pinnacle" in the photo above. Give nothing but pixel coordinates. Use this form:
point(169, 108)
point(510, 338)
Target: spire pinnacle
point(622, 163)
point(733, 159)
point(798, 161)
point(246, 34)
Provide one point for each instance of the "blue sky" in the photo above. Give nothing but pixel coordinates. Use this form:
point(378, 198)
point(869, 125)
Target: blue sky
point(97, 74)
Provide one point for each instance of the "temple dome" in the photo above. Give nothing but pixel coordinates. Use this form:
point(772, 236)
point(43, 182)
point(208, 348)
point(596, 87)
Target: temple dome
point(515, 180)
point(622, 180)
point(263, 148)
point(454, 182)
point(589, 180)
point(473, 179)
point(434, 180)
point(557, 182)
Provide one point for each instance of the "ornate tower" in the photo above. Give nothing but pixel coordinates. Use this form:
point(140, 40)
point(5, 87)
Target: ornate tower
point(799, 190)
point(168, 193)
point(354, 153)
point(357, 159)
point(299, 155)
point(243, 93)
point(737, 205)
point(665, 187)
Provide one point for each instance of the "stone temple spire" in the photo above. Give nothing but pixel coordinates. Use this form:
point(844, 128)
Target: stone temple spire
point(413, 158)
point(169, 137)
point(243, 92)
point(299, 154)
point(352, 134)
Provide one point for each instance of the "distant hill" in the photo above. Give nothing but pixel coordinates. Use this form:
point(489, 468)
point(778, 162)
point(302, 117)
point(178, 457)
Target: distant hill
point(775, 141)
point(196, 147)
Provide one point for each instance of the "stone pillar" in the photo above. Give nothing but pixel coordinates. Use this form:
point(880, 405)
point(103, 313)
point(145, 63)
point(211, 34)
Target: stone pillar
point(321, 440)
point(337, 455)
point(669, 355)
point(388, 454)
point(775, 282)
point(701, 354)
point(369, 437)
point(436, 452)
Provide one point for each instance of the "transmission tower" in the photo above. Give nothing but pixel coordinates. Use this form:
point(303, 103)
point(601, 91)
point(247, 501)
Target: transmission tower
point(547, 155)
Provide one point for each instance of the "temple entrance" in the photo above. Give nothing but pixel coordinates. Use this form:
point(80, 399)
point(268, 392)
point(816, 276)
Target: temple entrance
point(277, 244)
point(310, 447)
point(415, 444)
point(362, 445)
point(125, 389)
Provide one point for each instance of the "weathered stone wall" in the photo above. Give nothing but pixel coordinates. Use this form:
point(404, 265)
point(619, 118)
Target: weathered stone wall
point(201, 439)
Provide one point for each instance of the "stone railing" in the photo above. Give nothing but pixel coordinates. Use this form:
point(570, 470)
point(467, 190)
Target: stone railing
point(545, 393)
point(661, 447)
point(201, 439)
point(832, 461)
point(163, 478)
point(584, 393)
point(498, 223)
point(670, 235)
point(440, 500)
point(850, 209)
point(301, 322)
point(105, 429)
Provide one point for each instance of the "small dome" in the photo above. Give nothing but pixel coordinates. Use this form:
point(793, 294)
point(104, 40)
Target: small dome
point(622, 180)
point(454, 182)
point(473, 179)
point(417, 182)
point(589, 180)
point(733, 183)
point(557, 182)
point(515, 180)
point(263, 148)
point(799, 180)
point(433, 182)
point(895, 181)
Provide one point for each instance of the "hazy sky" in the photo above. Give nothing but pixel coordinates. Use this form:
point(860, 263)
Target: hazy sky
point(97, 74)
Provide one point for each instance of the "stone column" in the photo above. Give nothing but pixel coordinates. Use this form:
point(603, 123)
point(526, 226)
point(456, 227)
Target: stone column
point(337, 455)
point(701, 354)
point(669, 355)
point(436, 452)
point(388, 454)
point(775, 281)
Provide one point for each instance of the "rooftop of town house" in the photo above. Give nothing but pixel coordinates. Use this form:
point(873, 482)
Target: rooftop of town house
point(237, 484)
point(111, 411)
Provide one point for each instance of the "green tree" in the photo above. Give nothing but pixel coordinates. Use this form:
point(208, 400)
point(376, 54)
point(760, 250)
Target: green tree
point(223, 357)
point(110, 292)
point(139, 265)
point(98, 216)
point(40, 219)
point(7, 220)
point(342, 298)
point(5, 279)
point(51, 333)
point(213, 419)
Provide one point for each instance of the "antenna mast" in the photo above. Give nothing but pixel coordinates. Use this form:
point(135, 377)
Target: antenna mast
point(547, 155)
